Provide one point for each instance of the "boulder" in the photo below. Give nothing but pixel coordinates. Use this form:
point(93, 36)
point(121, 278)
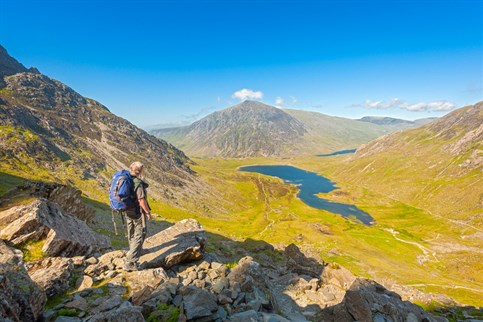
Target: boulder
point(67, 197)
point(64, 234)
point(198, 302)
point(182, 242)
point(10, 255)
point(247, 274)
point(124, 313)
point(298, 263)
point(109, 261)
point(52, 274)
point(139, 280)
point(367, 300)
point(20, 298)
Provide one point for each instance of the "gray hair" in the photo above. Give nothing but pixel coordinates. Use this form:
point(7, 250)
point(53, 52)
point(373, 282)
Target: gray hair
point(136, 168)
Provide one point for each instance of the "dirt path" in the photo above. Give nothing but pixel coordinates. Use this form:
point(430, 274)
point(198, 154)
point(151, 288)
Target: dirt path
point(447, 286)
point(426, 251)
point(268, 208)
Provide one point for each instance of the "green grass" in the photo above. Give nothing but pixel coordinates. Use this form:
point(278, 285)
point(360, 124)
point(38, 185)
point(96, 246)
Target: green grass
point(32, 250)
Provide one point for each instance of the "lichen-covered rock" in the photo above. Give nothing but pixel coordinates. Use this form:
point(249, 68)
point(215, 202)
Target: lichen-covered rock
point(64, 234)
point(52, 274)
point(20, 298)
point(182, 242)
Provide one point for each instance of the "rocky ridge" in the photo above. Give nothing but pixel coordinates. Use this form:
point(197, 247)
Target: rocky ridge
point(49, 131)
point(252, 129)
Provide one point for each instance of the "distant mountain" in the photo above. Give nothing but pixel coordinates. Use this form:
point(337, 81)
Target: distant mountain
point(394, 123)
point(437, 166)
point(252, 129)
point(48, 131)
point(247, 129)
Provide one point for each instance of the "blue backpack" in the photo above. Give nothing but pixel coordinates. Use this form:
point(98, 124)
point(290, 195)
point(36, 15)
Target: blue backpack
point(121, 191)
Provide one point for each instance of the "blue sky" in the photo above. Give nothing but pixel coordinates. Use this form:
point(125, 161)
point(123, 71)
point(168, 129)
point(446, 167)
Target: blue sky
point(172, 62)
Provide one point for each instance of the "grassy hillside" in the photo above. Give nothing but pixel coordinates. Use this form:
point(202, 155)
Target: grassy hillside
point(408, 244)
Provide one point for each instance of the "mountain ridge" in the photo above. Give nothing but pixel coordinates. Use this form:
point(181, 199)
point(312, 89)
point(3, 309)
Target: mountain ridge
point(252, 129)
point(48, 130)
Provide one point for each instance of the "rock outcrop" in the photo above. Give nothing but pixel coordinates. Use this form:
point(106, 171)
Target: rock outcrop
point(185, 283)
point(179, 243)
point(64, 234)
point(67, 197)
point(52, 274)
point(20, 298)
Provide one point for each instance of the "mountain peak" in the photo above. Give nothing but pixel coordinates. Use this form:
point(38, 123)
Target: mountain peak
point(252, 104)
point(9, 65)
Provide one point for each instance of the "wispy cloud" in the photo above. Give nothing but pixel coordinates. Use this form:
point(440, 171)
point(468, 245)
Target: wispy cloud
point(435, 106)
point(279, 102)
point(246, 93)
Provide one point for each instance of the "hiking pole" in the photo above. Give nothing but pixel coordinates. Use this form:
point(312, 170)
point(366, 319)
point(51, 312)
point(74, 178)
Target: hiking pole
point(145, 230)
point(114, 222)
point(122, 213)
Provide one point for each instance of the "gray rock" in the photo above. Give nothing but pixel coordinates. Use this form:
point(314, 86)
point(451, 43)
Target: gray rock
point(107, 304)
point(220, 285)
point(246, 316)
point(121, 314)
point(197, 302)
point(10, 255)
point(182, 242)
point(367, 300)
point(78, 303)
point(298, 263)
point(67, 197)
point(267, 317)
point(64, 235)
point(20, 298)
point(67, 319)
point(52, 274)
point(137, 280)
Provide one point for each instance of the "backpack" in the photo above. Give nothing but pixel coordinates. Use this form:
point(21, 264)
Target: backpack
point(121, 191)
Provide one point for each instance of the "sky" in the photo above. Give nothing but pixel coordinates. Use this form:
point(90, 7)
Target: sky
point(157, 62)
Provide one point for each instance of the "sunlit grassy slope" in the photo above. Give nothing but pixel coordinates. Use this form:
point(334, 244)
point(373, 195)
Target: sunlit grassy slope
point(408, 244)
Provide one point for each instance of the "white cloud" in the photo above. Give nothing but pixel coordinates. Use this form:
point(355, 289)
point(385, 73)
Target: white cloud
point(279, 102)
point(218, 99)
point(436, 106)
point(245, 94)
point(294, 100)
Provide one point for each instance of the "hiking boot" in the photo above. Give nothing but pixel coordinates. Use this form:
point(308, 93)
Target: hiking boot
point(130, 266)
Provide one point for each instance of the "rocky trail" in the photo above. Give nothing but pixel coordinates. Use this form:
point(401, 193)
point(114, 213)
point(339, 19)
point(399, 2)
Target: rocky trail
point(81, 278)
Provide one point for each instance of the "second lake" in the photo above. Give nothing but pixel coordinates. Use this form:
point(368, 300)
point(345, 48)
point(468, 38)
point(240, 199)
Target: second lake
point(310, 184)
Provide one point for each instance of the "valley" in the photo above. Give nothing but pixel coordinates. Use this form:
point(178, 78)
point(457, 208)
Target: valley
point(418, 188)
point(408, 244)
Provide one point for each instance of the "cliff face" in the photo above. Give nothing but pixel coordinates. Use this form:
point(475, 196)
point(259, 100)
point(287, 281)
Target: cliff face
point(48, 130)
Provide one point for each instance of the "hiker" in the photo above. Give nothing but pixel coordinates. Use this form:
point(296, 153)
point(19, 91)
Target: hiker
point(136, 217)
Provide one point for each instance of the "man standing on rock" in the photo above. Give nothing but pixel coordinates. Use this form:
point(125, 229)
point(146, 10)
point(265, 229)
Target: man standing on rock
point(136, 224)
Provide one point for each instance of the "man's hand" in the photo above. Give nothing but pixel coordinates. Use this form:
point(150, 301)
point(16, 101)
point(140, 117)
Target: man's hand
point(148, 215)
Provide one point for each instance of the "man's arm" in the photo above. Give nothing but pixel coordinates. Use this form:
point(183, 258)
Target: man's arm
point(144, 205)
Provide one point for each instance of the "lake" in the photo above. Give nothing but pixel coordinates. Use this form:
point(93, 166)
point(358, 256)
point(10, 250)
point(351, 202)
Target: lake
point(337, 153)
point(310, 184)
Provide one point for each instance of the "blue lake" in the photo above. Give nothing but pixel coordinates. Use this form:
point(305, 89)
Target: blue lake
point(310, 184)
